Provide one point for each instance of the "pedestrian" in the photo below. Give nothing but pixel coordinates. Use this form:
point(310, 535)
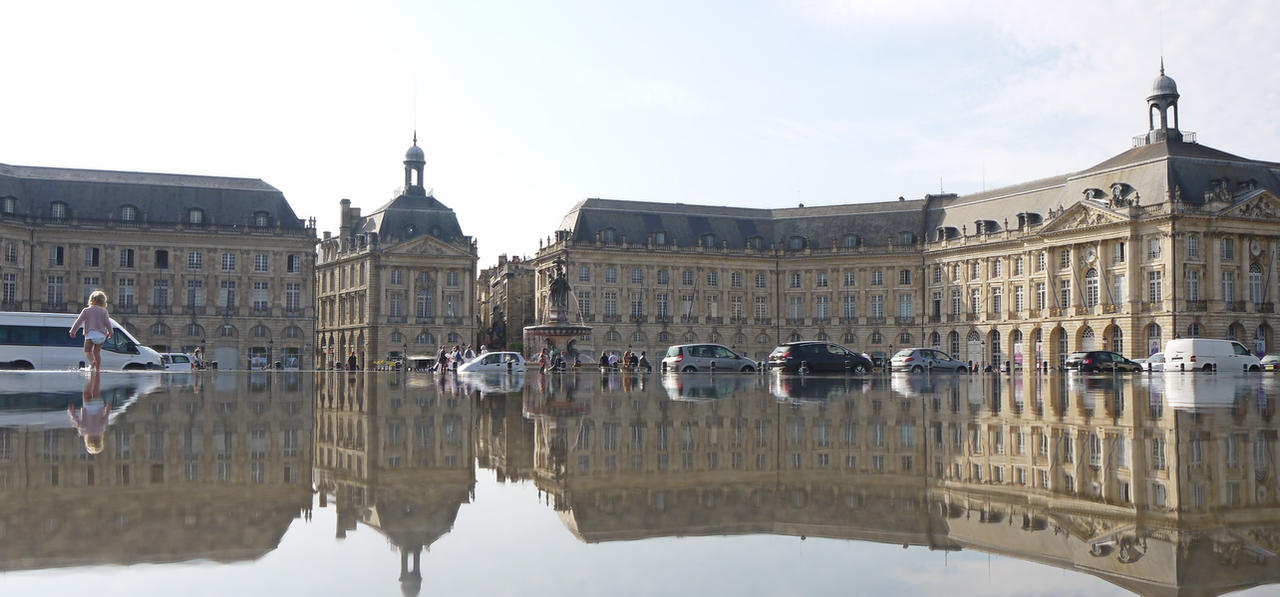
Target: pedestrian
point(613, 360)
point(96, 323)
point(352, 365)
point(468, 354)
point(199, 358)
point(604, 359)
point(442, 360)
point(483, 349)
point(644, 363)
point(455, 357)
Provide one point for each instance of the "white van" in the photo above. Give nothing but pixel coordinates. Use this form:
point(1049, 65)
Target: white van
point(41, 341)
point(1203, 354)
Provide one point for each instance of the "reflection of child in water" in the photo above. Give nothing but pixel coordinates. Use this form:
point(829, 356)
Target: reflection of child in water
point(92, 419)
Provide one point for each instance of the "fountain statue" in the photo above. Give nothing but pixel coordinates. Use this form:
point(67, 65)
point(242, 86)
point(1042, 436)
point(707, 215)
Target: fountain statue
point(557, 332)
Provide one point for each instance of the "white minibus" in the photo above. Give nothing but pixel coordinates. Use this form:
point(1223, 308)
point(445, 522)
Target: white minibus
point(40, 341)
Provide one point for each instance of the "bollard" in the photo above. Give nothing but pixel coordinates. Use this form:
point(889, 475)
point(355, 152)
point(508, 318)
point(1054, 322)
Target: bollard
point(508, 365)
point(713, 366)
point(804, 367)
point(1245, 367)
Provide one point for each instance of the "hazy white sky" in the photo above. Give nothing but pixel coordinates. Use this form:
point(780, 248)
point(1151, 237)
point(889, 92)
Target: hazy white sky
point(525, 108)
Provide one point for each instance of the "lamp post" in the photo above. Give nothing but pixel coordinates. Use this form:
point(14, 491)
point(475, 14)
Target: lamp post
point(271, 346)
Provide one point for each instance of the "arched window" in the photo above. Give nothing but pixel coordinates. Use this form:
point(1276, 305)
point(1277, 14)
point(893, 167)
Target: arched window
point(1154, 344)
point(58, 211)
point(740, 338)
point(128, 213)
point(194, 329)
point(397, 338)
point(1091, 288)
point(1256, 294)
point(293, 331)
point(1194, 330)
point(1087, 339)
point(454, 338)
point(637, 337)
point(260, 331)
point(1117, 340)
point(227, 331)
point(935, 340)
point(424, 339)
point(160, 329)
point(613, 336)
point(195, 216)
point(974, 336)
point(822, 336)
point(851, 339)
point(953, 342)
point(877, 338)
point(795, 336)
point(664, 336)
point(904, 338)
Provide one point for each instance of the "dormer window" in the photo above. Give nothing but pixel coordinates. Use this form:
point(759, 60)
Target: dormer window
point(795, 243)
point(659, 238)
point(195, 216)
point(906, 238)
point(707, 240)
point(58, 211)
point(755, 243)
point(608, 236)
point(9, 205)
point(852, 241)
point(261, 219)
point(128, 213)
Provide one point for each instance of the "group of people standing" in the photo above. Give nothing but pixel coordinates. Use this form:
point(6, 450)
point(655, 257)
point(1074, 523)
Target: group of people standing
point(629, 360)
point(448, 360)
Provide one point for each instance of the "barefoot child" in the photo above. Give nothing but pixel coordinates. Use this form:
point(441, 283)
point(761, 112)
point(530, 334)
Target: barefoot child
point(96, 323)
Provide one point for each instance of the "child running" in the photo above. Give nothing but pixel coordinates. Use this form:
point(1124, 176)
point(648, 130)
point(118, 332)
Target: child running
point(96, 323)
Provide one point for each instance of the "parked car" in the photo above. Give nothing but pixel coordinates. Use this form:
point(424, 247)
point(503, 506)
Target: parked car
point(177, 361)
point(1271, 362)
point(1154, 362)
point(918, 360)
point(1095, 361)
point(1073, 360)
point(879, 359)
point(819, 356)
point(689, 358)
point(494, 362)
point(1203, 354)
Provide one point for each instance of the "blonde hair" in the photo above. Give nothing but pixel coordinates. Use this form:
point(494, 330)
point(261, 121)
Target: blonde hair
point(98, 298)
point(93, 444)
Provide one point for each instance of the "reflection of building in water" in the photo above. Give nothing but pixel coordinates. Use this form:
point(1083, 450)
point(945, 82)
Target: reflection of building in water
point(1095, 475)
point(213, 471)
point(397, 459)
point(504, 438)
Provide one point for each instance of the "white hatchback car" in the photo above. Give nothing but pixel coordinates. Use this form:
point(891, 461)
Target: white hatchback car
point(494, 362)
point(177, 361)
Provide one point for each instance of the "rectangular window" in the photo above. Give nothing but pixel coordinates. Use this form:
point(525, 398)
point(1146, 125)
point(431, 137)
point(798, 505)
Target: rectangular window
point(1154, 286)
point(713, 305)
point(451, 279)
point(1118, 255)
point(877, 278)
point(160, 293)
point(1119, 289)
point(423, 304)
point(686, 277)
point(92, 257)
point(822, 308)
point(877, 306)
point(736, 309)
point(124, 292)
point(997, 268)
point(663, 301)
point(10, 253)
point(762, 280)
point(126, 258)
point(9, 294)
point(1193, 247)
point(795, 280)
point(762, 307)
point(227, 294)
point(293, 264)
point(395, 303)
point(610, 303)
point(1041, 296)
point(55, 291)
point(637, 304)
point(957, 302)
point(1017, 266)
point(821, 281)
point(584, 302)
point(713, 278)
point(905, 308)
point(637, 275)
point(1193, 285)
point(664, 277)
point(904, 277)
point(56, 256)
point(610, 275)
point(975, 300)
point(195, 293)
point(1229, 286)
point(228, 262)
point(1153, 247)
point(850, 279)
point(1228, 249)
point(996, 297)
point(795, 307)
point(850, 306)
point(1064, 259)
point(452, 305)
point(1064, 293)
point(1040, 259)
point(293, 297)
point(260, 296)
point(195, 260)
point(735, 279)
point(1019, 301)
point(260, 263)
point(584, 273)
point(91, 283)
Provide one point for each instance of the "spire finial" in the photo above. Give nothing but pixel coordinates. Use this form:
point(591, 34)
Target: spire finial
point(1161, 68)
point(415, 131)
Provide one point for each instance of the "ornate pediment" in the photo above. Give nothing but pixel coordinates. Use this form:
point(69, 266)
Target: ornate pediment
point(1259, 205)
point(1080, 216)
point(426, 246)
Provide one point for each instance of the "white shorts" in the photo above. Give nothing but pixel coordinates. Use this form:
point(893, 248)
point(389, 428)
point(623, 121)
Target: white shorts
point(95, 336)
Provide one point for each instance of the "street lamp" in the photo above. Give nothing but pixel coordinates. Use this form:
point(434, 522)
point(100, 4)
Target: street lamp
point(271, 345)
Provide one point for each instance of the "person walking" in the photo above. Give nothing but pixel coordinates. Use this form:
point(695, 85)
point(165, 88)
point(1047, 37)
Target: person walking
point(92, 419)
point(96, 323)
point(644, 363)
point(442, 360)
point(352, 365)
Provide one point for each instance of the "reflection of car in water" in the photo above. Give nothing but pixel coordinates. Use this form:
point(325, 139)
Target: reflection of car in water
point(41, 399)
point(704, 387)
point(495, 362)
point(493, 382)
point(1193, 391)
point(810, 387)
point(922, 385)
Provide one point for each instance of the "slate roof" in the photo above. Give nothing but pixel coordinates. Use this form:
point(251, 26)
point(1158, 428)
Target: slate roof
point(874, 223)
point(160, 198)
point(409, 216)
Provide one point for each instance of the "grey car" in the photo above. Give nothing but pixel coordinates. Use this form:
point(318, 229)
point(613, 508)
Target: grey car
point(689, 358)
point(917, 360)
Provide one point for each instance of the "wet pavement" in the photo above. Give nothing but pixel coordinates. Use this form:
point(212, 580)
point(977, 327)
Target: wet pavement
point(387, 483)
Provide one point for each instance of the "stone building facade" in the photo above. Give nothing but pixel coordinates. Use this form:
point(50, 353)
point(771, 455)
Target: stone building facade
point(505, 304)
point(1168, 239)
point(186, 261)
point(398, 280)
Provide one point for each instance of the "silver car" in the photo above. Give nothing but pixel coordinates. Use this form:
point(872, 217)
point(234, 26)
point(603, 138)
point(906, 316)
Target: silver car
point(918, 360)
point(690, 358)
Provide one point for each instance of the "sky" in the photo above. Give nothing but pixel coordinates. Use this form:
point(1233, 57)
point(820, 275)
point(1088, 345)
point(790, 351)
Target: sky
point(526, 108)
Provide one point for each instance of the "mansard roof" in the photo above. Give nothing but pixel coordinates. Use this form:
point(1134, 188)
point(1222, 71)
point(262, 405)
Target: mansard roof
point(159, 198)
point(874, 224)
point(409, 216)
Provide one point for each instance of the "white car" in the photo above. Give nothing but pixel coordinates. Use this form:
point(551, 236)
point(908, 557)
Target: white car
point(494, 361)
point(177, 361)
point(1154, 362)
point(1271, 362)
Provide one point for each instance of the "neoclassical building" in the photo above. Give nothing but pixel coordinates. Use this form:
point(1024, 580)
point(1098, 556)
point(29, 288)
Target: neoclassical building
point(187, 261)
point(1169, 238)
point(399, 279)
point(505, 303)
